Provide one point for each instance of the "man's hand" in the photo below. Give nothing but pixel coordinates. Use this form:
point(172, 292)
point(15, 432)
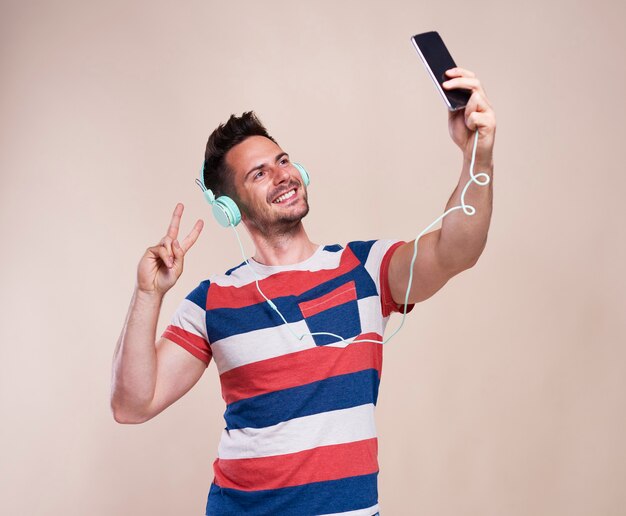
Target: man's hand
point(161, 265)
point(477, 116)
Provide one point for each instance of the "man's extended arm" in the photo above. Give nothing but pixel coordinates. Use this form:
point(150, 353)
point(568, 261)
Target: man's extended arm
point(148, 377)
point(459, 243)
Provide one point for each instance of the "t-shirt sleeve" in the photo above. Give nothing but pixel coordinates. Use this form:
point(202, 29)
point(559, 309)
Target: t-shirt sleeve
point(187, 328)
point(377, 261)
point(388, 304)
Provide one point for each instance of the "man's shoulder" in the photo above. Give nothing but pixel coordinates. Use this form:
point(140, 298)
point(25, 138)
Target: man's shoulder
point(366, 250)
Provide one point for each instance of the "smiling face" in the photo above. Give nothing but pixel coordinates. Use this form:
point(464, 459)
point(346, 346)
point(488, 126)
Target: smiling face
point(270, 191)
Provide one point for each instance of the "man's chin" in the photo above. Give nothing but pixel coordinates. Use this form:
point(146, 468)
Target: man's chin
point(280, 223)
point(296, 216)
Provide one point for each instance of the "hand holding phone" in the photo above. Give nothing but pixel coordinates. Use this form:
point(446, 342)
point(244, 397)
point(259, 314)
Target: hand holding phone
point(437, 60)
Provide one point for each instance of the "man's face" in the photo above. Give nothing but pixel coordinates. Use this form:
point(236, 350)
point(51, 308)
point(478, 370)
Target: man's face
point(270, 191)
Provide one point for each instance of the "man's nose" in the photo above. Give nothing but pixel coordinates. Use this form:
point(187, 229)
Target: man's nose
point(281, 175)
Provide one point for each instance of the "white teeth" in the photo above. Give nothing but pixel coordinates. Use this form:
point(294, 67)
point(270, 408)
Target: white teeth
point(285, 196)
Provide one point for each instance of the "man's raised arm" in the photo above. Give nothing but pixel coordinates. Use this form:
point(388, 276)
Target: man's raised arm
point(455, 247)
point(147, 377)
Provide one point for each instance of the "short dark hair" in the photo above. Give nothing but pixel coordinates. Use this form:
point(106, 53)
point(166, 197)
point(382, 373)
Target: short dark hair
point(216, 174)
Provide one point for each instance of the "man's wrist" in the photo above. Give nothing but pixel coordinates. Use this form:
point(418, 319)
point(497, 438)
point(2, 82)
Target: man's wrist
point(148, 298)
point(481, 164)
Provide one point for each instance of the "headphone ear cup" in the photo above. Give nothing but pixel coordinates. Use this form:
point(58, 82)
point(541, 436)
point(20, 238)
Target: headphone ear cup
point(226, 211)
point(305, 175)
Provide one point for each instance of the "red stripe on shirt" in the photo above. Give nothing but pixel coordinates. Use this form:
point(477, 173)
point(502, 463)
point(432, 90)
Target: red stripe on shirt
point(288, 283)
point(195, 344)
point(294, 469)
point(304, 367)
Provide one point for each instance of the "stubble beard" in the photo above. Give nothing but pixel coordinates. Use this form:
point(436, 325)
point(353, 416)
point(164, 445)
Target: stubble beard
point(284, 224)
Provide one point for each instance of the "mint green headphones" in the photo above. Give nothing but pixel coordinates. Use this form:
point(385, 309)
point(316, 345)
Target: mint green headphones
point(225, 210)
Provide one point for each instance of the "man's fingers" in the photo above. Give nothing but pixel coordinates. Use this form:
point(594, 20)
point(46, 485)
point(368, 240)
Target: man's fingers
point(172, 230)
point(178, 252)
point(477, 120)
point(166, 242)
point(193, 235)
point(478, 104)
point(459, 72)
point(469, 83)
point(166, 257)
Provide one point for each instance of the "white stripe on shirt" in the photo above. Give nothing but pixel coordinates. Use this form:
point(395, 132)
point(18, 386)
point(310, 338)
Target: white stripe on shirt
point(296, 435)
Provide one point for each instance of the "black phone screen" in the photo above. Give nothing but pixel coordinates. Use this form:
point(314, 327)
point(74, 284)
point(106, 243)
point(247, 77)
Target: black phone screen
point(437, 59)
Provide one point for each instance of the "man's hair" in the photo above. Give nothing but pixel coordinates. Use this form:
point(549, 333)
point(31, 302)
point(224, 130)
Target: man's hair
point(216, 174)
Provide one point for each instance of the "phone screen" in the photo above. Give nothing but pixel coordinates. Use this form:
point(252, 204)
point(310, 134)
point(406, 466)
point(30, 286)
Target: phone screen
point(437, 60)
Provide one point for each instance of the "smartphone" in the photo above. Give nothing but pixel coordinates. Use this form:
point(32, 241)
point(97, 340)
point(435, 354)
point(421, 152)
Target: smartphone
point(437, 60)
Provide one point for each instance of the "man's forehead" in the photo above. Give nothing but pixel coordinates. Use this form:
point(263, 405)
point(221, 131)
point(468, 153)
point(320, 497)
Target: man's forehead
point(251, 152)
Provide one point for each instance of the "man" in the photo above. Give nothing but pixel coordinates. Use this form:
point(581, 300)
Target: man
point(299, 372)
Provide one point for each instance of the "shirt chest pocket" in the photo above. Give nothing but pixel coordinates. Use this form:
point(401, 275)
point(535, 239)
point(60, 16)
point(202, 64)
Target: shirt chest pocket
point(335, 312)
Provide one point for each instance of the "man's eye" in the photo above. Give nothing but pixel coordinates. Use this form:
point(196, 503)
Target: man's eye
point(284, 161)
point(259, 174)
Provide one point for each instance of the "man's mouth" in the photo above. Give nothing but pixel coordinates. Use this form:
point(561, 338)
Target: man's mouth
point(285, 196)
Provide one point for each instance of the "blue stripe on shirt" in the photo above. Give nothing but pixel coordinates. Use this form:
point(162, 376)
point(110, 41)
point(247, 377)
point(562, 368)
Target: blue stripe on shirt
point(335, 393)
point(346, 494)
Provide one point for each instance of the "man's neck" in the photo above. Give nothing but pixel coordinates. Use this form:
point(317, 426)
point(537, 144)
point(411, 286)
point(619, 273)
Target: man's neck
point(282, 249)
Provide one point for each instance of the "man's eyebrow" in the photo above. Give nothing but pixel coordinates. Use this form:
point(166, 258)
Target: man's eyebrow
point(253, 169)
point(280, 156)
point(260, 166)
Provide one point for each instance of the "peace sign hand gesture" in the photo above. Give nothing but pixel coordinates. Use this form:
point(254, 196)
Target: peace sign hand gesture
point(161, 265)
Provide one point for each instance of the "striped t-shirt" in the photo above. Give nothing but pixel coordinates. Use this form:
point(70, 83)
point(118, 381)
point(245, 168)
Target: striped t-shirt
point(300, 436)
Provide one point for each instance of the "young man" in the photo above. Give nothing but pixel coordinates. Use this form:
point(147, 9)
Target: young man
point(300, 372)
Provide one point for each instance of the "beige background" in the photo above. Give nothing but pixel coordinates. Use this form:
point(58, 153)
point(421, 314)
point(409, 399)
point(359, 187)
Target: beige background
point(503, 395)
